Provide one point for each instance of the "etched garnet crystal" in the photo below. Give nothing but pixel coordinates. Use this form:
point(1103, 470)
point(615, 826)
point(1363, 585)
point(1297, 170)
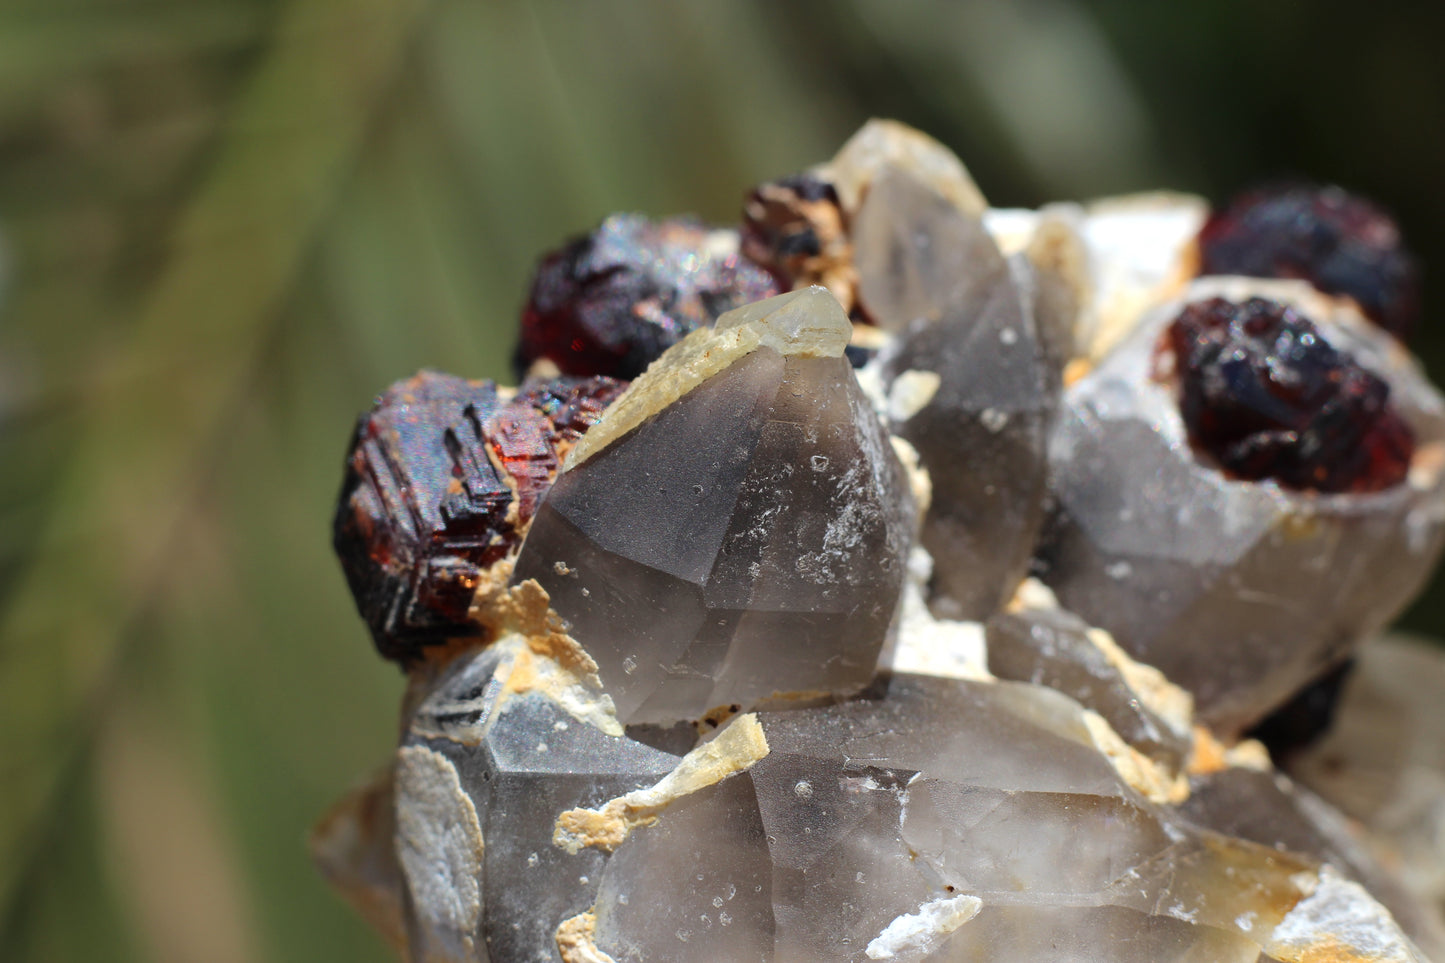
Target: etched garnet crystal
point(920, 613)
point(443, 477)
point(1264, 394)
point(613, 301)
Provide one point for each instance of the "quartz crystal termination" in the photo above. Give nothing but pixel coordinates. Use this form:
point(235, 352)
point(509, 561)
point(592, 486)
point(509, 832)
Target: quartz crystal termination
point(498, 744)
point(970, 342)
point(741, 493)
point(1241, 591)
point(974, 389)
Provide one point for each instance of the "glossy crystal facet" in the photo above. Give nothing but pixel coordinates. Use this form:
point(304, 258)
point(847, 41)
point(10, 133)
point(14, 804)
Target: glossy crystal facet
point(765, 503)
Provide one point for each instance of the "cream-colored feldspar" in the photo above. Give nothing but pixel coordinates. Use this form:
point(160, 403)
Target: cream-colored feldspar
point(806, 324)
point(439, 844)
point(1169, 702)
point(734, 749)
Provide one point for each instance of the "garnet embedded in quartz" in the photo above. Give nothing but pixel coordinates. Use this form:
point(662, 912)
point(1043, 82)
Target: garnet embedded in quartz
point(611, 302)
point(1339, 242)
point(1266, 396)
point(428, 500)
point(1241, 591)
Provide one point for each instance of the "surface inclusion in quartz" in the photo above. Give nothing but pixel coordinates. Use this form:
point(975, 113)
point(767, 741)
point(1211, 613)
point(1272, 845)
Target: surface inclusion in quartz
point(722, 705)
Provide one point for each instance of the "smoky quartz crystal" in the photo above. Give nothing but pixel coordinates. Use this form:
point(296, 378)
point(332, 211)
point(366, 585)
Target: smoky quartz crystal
point(916, 599)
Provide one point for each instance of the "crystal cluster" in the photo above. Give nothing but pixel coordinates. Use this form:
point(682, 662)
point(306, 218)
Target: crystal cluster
point(920, 613)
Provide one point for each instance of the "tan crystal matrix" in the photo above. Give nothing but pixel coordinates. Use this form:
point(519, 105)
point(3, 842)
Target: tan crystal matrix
point(769, 679)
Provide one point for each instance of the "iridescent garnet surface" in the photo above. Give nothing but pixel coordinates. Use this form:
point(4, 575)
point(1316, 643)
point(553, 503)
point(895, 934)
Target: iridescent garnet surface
point(611, 302)
point(1266, 396)
point(1340, 243)
point(427, 501)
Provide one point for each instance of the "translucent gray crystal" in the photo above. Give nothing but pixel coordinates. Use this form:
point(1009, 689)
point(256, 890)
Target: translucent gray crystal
point(733, 533)
point(1382, 762)
point(1238, 591)
point(763, 505)
point(944, 821)
point(521, 759)
point(1269, 809)
point(930, 272)
point(1052, 648)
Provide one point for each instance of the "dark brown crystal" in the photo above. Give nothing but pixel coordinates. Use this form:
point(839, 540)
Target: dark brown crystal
point(1267, 397)
point(611, 302)
point(795, 228)
point(1304, 719)
point(442, 479)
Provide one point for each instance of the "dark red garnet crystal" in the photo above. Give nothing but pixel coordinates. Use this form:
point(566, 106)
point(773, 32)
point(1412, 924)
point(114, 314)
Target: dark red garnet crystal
point(613, 301)
point(1340, 243)
point(442, 479)
point(1266, 396)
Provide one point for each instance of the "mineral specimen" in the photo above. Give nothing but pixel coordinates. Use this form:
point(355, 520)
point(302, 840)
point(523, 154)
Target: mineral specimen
point(443, 477)
point(613, 301)
point(1058, 649)
point(893, 227)
point(1340, 243)
point(722, 705)
point(1383, 761)
point(741, 492)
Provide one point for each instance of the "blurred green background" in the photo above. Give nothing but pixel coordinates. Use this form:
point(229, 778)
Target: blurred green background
point(227, 224)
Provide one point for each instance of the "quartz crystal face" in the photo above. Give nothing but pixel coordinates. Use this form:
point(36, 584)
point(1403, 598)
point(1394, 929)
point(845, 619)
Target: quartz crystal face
point(975, 391)
point(749, 495)
point(1058, 649)
point(705, 696)
point(528, 833)
point(971, 342)
point(442, 478)
point(488, 760)
point(613, 301)
point(1003, 835)
point(1383, 761)
point(1240, 591)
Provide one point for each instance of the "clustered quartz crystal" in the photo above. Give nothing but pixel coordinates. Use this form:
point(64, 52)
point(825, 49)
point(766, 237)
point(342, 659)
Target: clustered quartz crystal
point(921, 613)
